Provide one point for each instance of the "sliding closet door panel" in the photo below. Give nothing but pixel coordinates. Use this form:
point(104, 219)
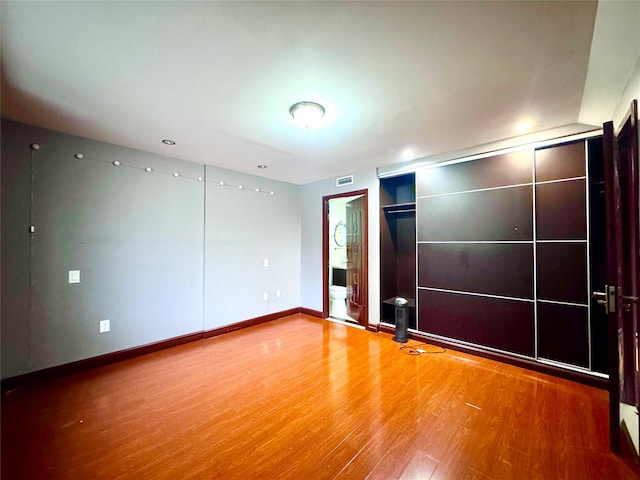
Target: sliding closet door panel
point(561, 212)
point(503, 214)
point(562, 272)
point(566, 161)
point(563, 333)
point(504, 269)
point(497, 171)
point(498, 323)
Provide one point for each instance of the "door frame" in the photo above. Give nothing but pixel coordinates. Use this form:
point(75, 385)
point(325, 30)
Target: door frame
point(325, 253)
point(611, 181)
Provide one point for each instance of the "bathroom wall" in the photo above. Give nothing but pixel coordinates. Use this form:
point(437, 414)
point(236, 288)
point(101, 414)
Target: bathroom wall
point(337, 214)
point(150, 259)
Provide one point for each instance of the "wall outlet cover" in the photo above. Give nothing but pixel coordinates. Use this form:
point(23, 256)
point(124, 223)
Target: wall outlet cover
point(74, 276)
point(105, 326)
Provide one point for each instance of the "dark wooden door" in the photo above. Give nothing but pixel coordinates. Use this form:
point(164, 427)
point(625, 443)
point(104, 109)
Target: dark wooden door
point(627, 159)
point(356, 260)
point(622, 186)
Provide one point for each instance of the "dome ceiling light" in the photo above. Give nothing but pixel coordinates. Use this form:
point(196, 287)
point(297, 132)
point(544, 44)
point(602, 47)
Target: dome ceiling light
point(307, 114)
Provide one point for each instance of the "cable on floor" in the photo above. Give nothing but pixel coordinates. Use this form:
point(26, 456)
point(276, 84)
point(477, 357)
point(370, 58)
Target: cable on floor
point(414, 349)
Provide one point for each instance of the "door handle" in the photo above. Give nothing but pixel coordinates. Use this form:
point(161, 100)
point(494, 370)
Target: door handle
point(601, 297)
point(627, 300)
point(606, 298)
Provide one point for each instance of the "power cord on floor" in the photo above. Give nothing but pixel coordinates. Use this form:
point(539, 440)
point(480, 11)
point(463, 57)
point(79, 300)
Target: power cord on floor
point(414, 350)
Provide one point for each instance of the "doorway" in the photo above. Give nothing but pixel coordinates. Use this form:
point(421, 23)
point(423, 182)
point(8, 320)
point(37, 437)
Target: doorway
point(345, 257)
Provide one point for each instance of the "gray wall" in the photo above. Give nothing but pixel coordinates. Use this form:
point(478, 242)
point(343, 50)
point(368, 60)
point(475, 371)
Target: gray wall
point(311, 254)
point(138, 240)
point(244, 228)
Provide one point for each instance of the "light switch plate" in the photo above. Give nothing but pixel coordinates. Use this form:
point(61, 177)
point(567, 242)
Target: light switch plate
point(74, 276)
point(266, 262)
point(265, 296)
point(105, 326)
point(277, 293)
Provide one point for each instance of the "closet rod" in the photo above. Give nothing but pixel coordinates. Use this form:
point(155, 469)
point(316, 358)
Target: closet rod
point(400, 211)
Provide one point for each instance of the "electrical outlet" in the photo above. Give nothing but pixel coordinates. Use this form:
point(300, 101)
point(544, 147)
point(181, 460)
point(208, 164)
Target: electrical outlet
point(105, 326)
point(266, 262)
point(74, 276)
point(277, 293)
point(265, 296)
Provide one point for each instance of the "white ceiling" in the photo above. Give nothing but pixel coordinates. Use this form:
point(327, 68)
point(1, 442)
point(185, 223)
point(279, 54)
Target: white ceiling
point(219, 77)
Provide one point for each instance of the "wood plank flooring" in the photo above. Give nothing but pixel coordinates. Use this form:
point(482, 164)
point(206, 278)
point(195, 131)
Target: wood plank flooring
point(300, 398)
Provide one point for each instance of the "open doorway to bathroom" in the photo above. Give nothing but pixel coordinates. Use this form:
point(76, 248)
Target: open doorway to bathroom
point(345, 257)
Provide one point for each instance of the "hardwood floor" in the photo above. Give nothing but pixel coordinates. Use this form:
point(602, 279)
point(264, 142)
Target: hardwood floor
point(302, 398)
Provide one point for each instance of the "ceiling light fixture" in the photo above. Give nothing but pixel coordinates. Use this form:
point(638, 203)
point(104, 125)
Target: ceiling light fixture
point(523, 126)
point(262, 166)
point(408, 154)
point(168, 142)
point(307, 114)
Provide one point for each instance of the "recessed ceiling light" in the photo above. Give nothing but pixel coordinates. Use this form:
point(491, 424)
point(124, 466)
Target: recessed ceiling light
point(408, 154)
point(262, 166)
point(307, 114)
point(523, 126)
point(168, 142)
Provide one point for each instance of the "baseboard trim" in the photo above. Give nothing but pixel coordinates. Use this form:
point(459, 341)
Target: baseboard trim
point(38, 376)
point(313, 313)
point(50, 373)
point(250, 323)
point(578, 377)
